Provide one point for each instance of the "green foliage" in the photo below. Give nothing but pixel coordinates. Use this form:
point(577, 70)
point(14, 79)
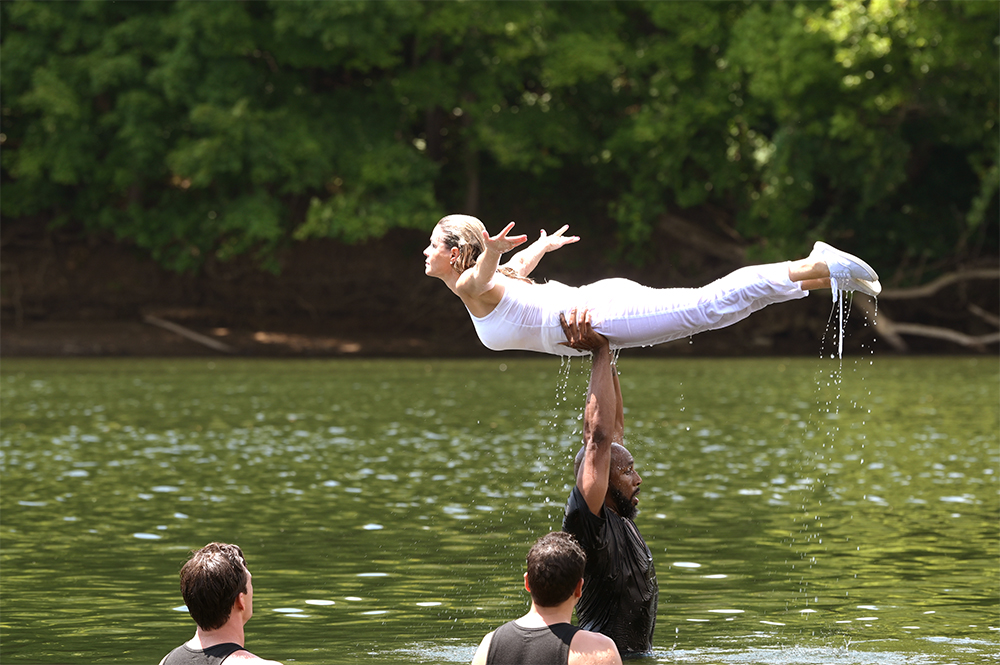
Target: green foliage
point(867, 94)
point(200, 130)
point(393, 190)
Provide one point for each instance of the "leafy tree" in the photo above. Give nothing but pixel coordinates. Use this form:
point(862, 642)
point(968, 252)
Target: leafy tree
point(185, 127)
point(202, 130)
point(884, 121)
point(869, 122)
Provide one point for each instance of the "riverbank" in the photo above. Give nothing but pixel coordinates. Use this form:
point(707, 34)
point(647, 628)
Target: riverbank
point(76, 295)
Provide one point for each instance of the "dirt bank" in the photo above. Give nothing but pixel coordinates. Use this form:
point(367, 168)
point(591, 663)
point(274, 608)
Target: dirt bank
point(64, 294)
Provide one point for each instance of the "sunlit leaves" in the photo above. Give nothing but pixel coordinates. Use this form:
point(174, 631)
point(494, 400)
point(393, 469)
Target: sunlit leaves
point(392, 189)
point(201, 129)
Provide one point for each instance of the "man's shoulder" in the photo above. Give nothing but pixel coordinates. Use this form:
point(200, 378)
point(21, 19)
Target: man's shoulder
point(176, 653)
point(576, 506)
point(590, 648)
point(245, 656)
point(585, 526)
point(483, 650)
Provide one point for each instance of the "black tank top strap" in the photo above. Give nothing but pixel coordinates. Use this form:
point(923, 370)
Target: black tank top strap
point(564, 631)
point(224, 650)
point(213, 655)
point(515, 645)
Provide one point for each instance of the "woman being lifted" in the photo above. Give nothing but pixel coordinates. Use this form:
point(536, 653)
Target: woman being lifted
point(511, 312)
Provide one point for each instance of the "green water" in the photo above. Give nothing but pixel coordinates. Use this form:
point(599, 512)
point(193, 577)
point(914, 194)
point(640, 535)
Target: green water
point(799, 511)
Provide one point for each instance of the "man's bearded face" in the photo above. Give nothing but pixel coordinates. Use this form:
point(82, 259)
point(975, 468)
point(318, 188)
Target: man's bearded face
point(623, 504)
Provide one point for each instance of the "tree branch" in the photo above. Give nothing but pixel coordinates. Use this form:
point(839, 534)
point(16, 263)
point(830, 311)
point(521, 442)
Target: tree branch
point(884, 327)
point(976, 342)
point(892, 332)
point(941, 282)
point(189, 334)
point(988, 317)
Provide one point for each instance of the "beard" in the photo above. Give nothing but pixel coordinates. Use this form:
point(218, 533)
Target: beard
point(623, 504)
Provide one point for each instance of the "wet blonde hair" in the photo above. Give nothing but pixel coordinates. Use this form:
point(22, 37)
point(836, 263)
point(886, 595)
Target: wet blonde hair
point(466, 233)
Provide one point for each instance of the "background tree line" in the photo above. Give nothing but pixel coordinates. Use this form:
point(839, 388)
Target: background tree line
point(197, 130)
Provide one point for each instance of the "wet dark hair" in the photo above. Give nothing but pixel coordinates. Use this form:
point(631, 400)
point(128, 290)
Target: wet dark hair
point(211, 581)
point(555, 566)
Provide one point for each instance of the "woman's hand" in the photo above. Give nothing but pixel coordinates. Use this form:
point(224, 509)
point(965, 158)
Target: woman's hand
point(501, 243)
point(527, 259)
point(556, 240)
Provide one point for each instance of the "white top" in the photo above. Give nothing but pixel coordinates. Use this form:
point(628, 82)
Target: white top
point(527, 318)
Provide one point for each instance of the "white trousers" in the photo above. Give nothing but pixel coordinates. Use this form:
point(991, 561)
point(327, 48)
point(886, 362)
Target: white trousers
point(631, 314)
point(627, 313)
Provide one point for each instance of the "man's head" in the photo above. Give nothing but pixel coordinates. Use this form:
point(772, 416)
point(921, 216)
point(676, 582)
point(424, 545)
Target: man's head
point(555, 568)
point(623, 481)
point(212, 580)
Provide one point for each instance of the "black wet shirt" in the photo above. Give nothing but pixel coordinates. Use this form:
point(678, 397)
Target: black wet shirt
point(515, 645)
point(619, 587)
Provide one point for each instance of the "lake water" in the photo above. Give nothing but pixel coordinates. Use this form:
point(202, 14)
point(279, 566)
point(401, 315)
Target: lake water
point(799, 511)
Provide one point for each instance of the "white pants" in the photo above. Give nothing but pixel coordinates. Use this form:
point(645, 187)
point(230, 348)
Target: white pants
point(627, 313)
point(631, 314)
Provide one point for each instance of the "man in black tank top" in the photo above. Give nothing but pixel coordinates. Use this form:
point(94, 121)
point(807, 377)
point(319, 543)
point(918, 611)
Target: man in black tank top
point(218, 592)
point(620, 591)
point(545, 636)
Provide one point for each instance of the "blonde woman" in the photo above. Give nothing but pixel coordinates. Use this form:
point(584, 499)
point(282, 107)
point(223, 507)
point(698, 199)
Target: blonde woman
point(511, 312)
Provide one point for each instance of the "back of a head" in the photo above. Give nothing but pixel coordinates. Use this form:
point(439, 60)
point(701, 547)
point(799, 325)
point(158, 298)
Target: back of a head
point(555, 565)
point(211, 581)
point(618, 453)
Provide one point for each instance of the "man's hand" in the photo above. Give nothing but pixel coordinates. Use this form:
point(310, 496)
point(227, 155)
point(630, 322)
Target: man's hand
point(579, 333)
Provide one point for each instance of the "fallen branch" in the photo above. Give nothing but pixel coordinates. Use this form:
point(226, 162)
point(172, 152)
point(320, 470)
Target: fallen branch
point(892, 332)
point(941, 282)
point(884, 326)
point(988, 317)
point(971, 341)
point(189, 334)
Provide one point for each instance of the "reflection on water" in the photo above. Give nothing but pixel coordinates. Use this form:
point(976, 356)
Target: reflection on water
point(799, 511)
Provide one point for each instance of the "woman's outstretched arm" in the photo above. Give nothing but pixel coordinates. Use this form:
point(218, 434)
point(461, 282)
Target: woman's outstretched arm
point(527, 259)
point(478, 279)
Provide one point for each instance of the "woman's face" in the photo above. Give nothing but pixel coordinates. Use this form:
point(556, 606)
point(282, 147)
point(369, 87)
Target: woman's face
point(439, 255)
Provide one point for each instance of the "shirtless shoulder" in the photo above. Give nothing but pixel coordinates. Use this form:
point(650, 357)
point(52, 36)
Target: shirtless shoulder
point(245, 656)
point(590, 648)
point(483, 650)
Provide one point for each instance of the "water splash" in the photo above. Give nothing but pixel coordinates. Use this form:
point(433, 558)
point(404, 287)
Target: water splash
point(842, 302)
point(562, 381)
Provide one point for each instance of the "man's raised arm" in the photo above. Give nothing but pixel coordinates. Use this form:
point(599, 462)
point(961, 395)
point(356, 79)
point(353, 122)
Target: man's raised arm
point(602, 419)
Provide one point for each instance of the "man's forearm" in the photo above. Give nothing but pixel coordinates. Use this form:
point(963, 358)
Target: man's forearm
point(619, 435)
point(602, 400)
